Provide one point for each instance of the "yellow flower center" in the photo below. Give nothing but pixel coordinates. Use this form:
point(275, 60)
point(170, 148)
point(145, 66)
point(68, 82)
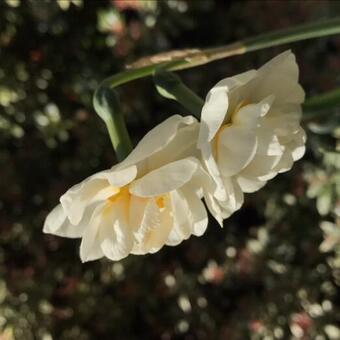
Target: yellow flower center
point(160, 202)
point(123, 194)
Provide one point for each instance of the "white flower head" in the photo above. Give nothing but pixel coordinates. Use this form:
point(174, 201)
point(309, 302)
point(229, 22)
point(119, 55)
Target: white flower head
point(250, 130)
point(150, 199)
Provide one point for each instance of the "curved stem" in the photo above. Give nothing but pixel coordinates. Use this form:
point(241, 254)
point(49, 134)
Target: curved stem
point(170, 86)
point(107, 106)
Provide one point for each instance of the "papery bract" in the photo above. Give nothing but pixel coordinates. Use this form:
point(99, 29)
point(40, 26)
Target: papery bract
point(250, 130)
point(150, 199)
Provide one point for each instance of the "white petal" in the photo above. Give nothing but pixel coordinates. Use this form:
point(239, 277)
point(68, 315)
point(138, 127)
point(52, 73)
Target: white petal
point(197, 213)
point(268, 142)
point(183, 145)
point(231, 83)
point(210, 163)
point(238, 88)
point(181, 229)
point(201, 181)
point(282, 125)
point(248, 115)
point(94, 188)
point(249, 184)
point(116, 240)
point(90, 244)
point(298, 152)
point(215, 109)
point(234, 199)
point(120, 177)
point(115, 234)
point(137, 207)
point(286, 162)
point(298, 147)
point(165, 179)
point(203, 185)
point(58, 224)
point(214, 207)
point(150, 220)
point(157, 139)
point(75, 200)
point(280, 78)
point(54, 220)
point(235, 149)
point(287, 92)
point(155, 227)
point(261, 166)
point(284, 63)
point(213, 114)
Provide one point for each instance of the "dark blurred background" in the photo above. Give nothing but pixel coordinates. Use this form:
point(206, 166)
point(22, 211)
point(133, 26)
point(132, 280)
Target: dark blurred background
point(272, 272)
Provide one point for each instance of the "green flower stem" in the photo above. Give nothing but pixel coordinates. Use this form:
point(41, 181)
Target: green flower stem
point(107, 106)
point(170, 86)
point(184, 59)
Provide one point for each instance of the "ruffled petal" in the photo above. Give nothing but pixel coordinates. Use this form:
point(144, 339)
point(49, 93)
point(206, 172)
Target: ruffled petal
point(76, 199)
point(216, 107)
point(284, 63)
point(137, 207)
point(98, 187)
point(238, 88)
point(213, 207)
point(181, 229)
point(90, 244)
point(286, 162)
point(249, 185)
point(209, 162)
point(58, 224)
point(183, 145)
point(165, 179)
point(298, 144)
point(248, 115)
point(213, 114)
point(234, 199)
point(261, 166)
point(54, 220)
point(118, 177)
point(236, 147)
point(117, 242)
point(156, 139)
point(155, 227)
point(279, 77)
point(268, 142)
point(197, 212)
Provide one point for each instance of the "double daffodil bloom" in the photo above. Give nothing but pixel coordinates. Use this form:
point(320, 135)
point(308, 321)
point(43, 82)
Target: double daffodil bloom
point(150, 199)
point(250, 130)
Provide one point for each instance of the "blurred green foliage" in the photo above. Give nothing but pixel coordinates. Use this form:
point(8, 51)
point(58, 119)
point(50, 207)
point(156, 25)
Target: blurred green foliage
point(272, 272)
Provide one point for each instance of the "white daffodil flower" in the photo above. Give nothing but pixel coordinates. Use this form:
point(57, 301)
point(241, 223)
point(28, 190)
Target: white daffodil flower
point(150, 199)
point(250, 130)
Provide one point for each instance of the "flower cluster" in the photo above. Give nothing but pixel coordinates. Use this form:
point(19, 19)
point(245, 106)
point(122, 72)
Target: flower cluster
point(249, 132)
